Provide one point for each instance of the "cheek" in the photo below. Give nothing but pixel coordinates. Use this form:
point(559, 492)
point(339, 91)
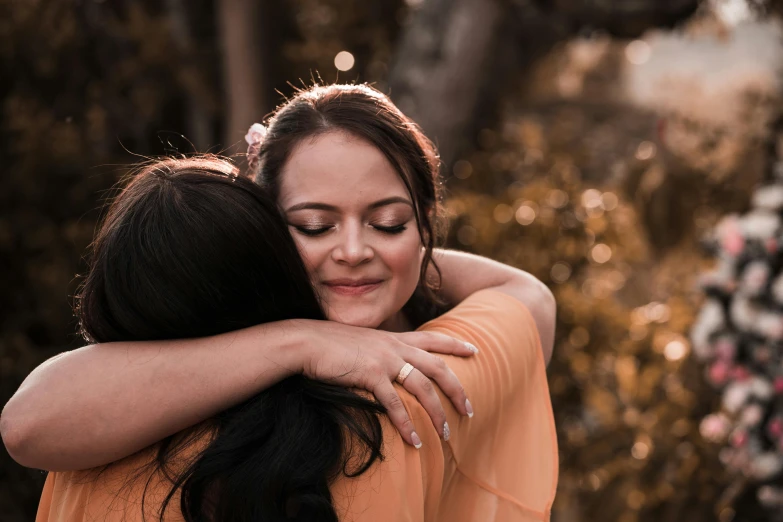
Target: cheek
point(404, 260)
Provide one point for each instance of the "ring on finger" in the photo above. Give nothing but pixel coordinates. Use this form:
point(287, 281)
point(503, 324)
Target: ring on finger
point(404, 372)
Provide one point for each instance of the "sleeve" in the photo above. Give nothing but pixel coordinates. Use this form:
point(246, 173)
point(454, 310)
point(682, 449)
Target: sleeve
point(502, 461)
point(509, 448)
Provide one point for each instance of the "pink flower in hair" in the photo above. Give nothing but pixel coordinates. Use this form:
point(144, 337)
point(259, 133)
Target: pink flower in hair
point(254, 137)
point(256, 134)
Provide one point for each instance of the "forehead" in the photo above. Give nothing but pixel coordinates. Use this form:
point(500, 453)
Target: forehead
point(338, 169)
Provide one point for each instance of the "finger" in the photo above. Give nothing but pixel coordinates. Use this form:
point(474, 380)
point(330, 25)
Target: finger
point(439, 343)
point(436, 369)
point(390, 399)
point(420, 386)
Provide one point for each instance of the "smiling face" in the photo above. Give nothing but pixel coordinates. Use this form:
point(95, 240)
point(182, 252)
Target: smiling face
point(354, 222)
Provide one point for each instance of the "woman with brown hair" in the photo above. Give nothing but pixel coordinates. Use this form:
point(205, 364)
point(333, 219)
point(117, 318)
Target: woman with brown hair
point(357, 184)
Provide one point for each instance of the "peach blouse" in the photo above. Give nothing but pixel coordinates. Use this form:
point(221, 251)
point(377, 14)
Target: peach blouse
point(501, 465)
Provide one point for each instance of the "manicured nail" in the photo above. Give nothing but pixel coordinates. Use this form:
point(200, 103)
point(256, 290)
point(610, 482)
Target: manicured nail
point(416, 440)
point(446, 431)
point(471, 347)
point(469, 408)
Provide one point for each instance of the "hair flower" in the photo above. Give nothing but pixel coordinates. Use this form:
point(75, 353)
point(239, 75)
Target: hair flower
point(254, 137)
point(256, 134)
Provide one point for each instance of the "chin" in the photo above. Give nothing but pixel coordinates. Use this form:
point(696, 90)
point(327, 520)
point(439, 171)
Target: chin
point(355, 318)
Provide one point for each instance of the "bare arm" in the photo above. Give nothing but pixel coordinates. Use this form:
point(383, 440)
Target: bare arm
point(463, 274)
point(99, 403)
point(131, 394)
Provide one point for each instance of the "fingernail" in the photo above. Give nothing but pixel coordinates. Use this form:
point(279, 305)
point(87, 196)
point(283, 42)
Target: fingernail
point(446, 431)
point(416, 440)
point(469, 408)
point(471, 347)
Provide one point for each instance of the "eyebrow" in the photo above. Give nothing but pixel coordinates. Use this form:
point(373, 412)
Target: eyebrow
point(331, 208)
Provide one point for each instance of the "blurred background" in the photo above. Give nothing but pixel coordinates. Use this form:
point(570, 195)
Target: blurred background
point(627, 153)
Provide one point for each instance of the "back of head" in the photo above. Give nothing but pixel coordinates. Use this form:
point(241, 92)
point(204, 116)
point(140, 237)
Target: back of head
point(190, 249)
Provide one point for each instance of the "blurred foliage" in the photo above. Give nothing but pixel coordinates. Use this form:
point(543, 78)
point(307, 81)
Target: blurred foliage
point(88, 81)
point(568, 191)
point(598, 199)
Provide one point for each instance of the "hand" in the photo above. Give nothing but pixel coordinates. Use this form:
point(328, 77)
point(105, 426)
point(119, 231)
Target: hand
point(371, 360)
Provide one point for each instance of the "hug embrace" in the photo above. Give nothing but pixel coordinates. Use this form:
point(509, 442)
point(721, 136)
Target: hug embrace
point(287, 343)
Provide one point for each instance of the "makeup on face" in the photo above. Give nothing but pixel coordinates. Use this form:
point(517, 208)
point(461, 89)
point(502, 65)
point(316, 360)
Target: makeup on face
point(353, 220)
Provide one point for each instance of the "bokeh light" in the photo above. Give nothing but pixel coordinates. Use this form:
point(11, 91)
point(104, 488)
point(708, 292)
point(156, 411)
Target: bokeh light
point(525, 215)
point(344, 61)
point(675, 350)
point(601, 253)
point(645, 151)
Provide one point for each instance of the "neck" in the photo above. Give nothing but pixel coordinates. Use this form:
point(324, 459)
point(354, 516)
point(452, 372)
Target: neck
point(396, 323)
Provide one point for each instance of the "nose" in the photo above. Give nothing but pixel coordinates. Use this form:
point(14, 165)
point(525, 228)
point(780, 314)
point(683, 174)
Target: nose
point(352, 248)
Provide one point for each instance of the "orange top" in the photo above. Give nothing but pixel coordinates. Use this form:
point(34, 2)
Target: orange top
point(501, 465)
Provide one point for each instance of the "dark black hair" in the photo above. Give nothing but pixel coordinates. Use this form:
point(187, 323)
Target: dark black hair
point(366, 113)
point(190, 249)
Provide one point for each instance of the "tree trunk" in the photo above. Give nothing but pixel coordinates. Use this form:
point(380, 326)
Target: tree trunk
point(198, 116)
point(437, 75)
point(243, 66)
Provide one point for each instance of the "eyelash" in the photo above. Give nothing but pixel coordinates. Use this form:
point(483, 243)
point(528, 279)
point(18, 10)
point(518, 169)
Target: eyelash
point(314, 232)
point(397, 229)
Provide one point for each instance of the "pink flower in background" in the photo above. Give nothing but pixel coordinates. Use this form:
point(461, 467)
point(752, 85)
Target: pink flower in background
point(739, 438)
point(740, 373)
point(714, 427)
point(752, 415)
point(719, 372)
point(775, 428)
point(730, 234)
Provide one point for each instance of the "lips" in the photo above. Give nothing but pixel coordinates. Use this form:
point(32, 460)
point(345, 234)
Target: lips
point(352, 287)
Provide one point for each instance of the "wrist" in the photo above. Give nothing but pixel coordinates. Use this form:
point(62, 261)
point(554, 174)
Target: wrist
point(296, 349)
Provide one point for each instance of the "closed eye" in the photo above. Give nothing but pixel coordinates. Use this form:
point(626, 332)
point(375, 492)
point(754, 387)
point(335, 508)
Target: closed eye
point(312, 231)
point(397, 229)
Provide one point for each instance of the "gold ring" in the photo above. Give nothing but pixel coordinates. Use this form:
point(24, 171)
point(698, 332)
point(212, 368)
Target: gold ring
point(404, 372)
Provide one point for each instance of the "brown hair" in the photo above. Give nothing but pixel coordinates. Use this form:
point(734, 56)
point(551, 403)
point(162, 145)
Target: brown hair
point(366, 113)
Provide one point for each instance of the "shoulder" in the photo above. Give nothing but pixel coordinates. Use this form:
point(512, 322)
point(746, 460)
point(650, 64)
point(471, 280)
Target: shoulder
point(495, 316)
point(505, 331)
